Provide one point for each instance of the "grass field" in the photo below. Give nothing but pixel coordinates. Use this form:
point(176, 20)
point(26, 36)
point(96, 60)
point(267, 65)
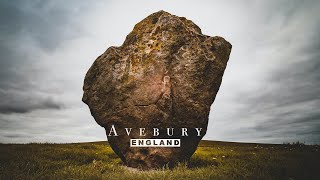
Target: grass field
point(212, 160)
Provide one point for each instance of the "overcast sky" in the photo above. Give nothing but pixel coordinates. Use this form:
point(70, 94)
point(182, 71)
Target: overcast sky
point(270, 91)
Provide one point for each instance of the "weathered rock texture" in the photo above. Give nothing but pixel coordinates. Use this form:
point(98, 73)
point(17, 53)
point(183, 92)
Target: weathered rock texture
point(165, 74)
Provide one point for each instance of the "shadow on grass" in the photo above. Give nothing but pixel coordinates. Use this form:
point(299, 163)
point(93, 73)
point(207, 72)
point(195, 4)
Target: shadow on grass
point(112, 156)
point(197, 162)
point(192, 164)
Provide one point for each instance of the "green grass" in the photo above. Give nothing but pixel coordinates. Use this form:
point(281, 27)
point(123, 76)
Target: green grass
point(212, 160)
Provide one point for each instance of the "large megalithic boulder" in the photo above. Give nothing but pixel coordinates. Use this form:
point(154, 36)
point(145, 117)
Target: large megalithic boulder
point(166, 74)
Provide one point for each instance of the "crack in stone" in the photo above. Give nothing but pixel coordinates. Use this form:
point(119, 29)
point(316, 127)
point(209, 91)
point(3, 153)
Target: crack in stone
point(152, 103)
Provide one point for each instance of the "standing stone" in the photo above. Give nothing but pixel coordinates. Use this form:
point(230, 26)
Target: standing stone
point(166, 74)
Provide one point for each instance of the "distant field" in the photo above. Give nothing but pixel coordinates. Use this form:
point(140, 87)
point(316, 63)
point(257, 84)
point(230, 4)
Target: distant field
point(212, 160)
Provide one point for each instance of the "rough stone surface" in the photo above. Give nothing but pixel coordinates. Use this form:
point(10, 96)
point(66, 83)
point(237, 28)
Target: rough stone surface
point(165, 74)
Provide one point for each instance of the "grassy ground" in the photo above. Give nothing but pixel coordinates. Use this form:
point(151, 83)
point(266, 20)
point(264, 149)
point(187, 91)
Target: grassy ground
point(212, 160)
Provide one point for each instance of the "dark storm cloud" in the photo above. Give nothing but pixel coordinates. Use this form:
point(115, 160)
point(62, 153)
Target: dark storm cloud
point(25, 104)
point(293, 83)
point(290, 104)
point(37, 91)
point(288, 99)
point(26, 24)
point(279, 99)
point(47, 22)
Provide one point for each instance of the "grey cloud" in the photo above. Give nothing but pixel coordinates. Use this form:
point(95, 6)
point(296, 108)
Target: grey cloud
point(282, 103)
point(291, 104)
point(47, 22)
point(27, 29)
point(25, 105)
point(35, 86)
point(291, 99)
